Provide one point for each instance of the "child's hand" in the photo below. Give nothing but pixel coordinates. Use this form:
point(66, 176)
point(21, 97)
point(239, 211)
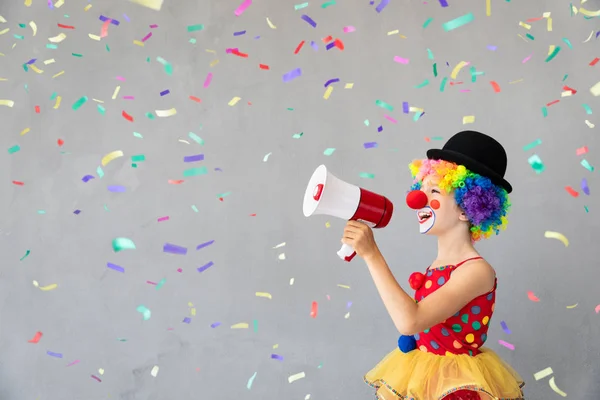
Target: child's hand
point(360, 237)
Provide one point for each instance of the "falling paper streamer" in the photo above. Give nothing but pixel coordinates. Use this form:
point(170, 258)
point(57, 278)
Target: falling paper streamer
point(271, 24)
point(558, 236)
point(8, 103)
point(146, 313)
point(295, 377)
point(33, 27)
point(111, 156)
point(555, 388)
point(58, 38)
point(166, 113)
point(241, 325)
point(264, 294)
point(152, 4)
point(122, 243)
point(250, 381)
point(154, 371)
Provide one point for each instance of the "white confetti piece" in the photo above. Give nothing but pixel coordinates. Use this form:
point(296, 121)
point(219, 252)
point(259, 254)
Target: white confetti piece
point(543, 373)
point(101, 371)
point(555, 388)
point(589, 124)
point(307, 397)
point(266, 157)
point(154, 371)
point(234, 101)
point(251, 381)
point(33, 27)
point(291, 281)
point(347, 315)
point(282, 256)
point(595, 90)
point(295, 377)
point(279, 245)
point(58, 38)
point(152, 4)
point(166, 113)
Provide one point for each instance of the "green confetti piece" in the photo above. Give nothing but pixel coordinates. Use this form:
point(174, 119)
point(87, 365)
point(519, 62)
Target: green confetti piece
point(122, 243)
point(536, 163)
point(443, 84)
point(429, 54)
point(553, 54)
point(533, 144)
point(26, 88)
point(53, 96)
point(417, 116)
point(193, 40)
point(80, 102)
point(106, 208)
point(121, 340)
point(194, 28)
point(138, 135)
point(298, 135)
point(290, 109)
point(14, 149)
point(25, 67)
point(255, 325)
point(166, 64)
point(22, 25)
point(544, 111)
point(101, 109)
point(41, 212)
point(149, 115)
point(76, 55)
point(222, 195)
point(458, 22)
point(437, 138)
point(320, 365)
point(20, 37)
point(329, 151)
point(99, 172)
point(25, 256)
point(426, 24)
point(51, 46)
point(146, 313)
point(565, 77)
point(161, 283)
point(530, 36)
point(300, 6)
point(196, 138)
point(148, 59)
point(194, 208)
point(107, 48)
point(473, 73)
point(586, 209)
point(385, 105)
point(327, 4)
point(134, 166)
point(251, 381)
point(568, 42)
point(367, 123)
point(435, 69)
point(366, 175)
point(140, 157)
point(195, 171)
point(588, 110)
point(587, 165)
point(423, 84)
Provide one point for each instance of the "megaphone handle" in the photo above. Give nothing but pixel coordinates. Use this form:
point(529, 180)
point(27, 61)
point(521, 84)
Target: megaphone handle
point(346, 253)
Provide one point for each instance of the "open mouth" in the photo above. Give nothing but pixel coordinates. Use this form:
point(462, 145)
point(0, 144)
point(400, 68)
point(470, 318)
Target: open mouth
point(424, 215)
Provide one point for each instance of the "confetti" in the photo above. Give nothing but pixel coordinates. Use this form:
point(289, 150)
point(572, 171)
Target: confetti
point(208, 79)
point(14, 149)
point(115, 267)
point(505, 327)
point(80, 102)
point(52, 354)
point(594, 90)
point(245, 4)
point(401, 60)
point(271, 24)
point(314, 309)
point(122, 243)
point(36, 338)
point(276, 357)
point(168, 67)
point(382, 5)
point(25, 255)
point(584, 187)
point(241, 325)
point(458, 22)
point(552, 384)
point(536, 163)
point(553, 54)
point(533, 144)
point(46, 288)
point(264, 294)
point(205, 267)
point(532, 296)
point(557, 236)
point(58, 38)
point(468, 119)
point(573, 306)
point(174, 249)
point(234, 101)
point(495, 86)
point(166, 113)
point(457, 69)
point(383, 104)
point(146, 313)
point(289, 76)
point(154, 371)
point(506, 344)
point(195, 171)
point(571, 191)
point(329, 151)
point(251, 381)
point(111, 156)
point(295, 377)
point(152, 4)
point(8, 103)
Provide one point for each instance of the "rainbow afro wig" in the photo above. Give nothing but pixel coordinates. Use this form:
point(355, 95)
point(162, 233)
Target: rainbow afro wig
point(484, 203)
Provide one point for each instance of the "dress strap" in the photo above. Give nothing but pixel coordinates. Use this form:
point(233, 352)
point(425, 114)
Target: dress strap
point(468, 259)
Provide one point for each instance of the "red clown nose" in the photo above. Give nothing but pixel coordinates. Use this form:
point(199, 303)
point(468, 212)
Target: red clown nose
point(416, 199)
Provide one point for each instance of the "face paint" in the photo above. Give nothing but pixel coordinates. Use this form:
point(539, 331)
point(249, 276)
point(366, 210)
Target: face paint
point(426, 218)
point(435, 204)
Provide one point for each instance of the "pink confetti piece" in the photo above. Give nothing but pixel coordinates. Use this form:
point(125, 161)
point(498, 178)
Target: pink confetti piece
point(153, 26)
point(120, 78)
point(245, 4)
point(104, 30)
point(526, 59)
point(390, 119)
point(73, 363)
point(582, 150)
point(161, 219)
point(208, 79)
point(348, 29)
point(128, 98)
point(148, 36)
point(401, 60)
point(506, 344)
point(597, 309)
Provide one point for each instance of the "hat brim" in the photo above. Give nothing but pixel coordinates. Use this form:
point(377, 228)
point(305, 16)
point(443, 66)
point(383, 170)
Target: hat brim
point(470, 164)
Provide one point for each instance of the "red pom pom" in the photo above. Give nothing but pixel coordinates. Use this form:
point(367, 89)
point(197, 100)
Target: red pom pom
point(416, 280)
point(416, 199)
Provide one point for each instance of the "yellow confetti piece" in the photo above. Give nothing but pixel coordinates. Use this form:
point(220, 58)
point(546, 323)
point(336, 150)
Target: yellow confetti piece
point(327, 224)
point(543, 373)
point(595, 90)
point(8, 103)
point(517, 81)
point(57, 104)
point(210, 51)
point(58, 38)
point(468, 119)
point(555, 388)
point(551, 49)
point(573, 306)
point(393, 32)
point(213, 63)
point(549, 24)
point(152, 4)
point(101, 371)
point(50, 61)
point(271, 24)
point(111, 156)
point(98, 101)
point(282, 256)
point(574, 9)
point(193, 311)
point(166, 113)
point(589, 124)
point(33, 27)
point(344, 286)
point(328, 92)
point(2, 32)
point(589, 13)
point(275, 346)
point(27, 3)
point(589, 37)
point(3, 79)
point(116, 92)
point(154, 371)
point(457, 69)
point(2, 19)
point(241, 325)
point(59, 3)
point(347, 315)
point(349, 86)
point(24, 131)
point(57, 75)
point(295, 377)
point(488, 8)
point(47, 288)
point(558, 236)
point(279, 245)
point(87, 7)
point(95, 37)
point(415, 109)
point(234, 101)
point(546, 14)
point(566, 93)
point(264, 294)
point(36, 69)
point(524, 25)
point(141, 44)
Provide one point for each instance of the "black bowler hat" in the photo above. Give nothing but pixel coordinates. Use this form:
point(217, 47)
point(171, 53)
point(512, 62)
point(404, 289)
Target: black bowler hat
point(478, 152)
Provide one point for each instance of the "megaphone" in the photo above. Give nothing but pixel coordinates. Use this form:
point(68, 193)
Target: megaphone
point(328, 195)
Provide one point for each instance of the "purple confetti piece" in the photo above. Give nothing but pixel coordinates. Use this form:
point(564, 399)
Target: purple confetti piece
point(584, 186)
point(218, 169)
point(57, 355)
point(597, 34)
point(96, 378)
point(203, 245)
point(215, 324)
point(128, 98)
point(405, 108)
point(197, 157)
point(87, 178)
point(127, 18)
point(50, 4)
point(505, 327)
point(187, 320)
point(205, 267)
point(276, 357)
point(116, 189)
point(349, 304)
point(115, 267)
point(370, 145)
point(76, 212)
point(443, 3)
point(492, 48)
point(382, 5)
point(148, 36)
point(380, 128)
point(329, 82)
point(239, 33)
point(174, 249)
point(330, 45)
point(371, 2)
point(314, 45)
point(151, 283)
point(31, 61)
point(256, 37)
point(153, 26)
point(165, 92)
point(230, 50)
point(310, 20)
point(292, 74)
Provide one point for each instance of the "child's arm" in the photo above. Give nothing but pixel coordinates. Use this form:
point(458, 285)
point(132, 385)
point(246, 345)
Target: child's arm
point(471, 280)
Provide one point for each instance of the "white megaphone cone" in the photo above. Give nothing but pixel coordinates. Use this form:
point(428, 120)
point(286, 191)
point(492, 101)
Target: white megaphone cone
point(328, 195)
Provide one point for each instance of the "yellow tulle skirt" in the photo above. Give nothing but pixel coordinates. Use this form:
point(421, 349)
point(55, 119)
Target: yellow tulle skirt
point(418, 375)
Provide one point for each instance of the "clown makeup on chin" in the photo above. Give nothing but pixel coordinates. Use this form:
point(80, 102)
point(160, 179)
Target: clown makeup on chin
point(426, 219)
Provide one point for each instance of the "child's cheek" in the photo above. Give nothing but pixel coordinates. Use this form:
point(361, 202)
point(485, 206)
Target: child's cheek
point(435, 204)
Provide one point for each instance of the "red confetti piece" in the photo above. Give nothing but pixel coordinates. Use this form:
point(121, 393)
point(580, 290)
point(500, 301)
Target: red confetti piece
point(427, 139)
point(582, 150)
point(175, 182)
point(237, 53)
point(36, 338)
point(594, 61)
point(532, 296)
point(534, 19)
point(495, 86)
point(18, 183)
point(314, 309)
point(299, 47)
point(104, 30)
point(597, 309)
point(60, 142)
point(263, 66)
point(339, 44)
point(573, 91)
point(253, 215)
point(571, 191)
point(196, 99)
point(327, 39)
point(456, 83)
point(66, 26)
point(37, 109)
point(127, 116)
point(552, 102)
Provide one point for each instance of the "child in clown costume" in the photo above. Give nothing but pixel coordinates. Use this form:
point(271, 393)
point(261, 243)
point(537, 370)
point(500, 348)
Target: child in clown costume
point(459, 195)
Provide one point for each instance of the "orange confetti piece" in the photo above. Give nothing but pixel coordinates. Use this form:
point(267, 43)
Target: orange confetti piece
point(176, 182)
point(299, 47)
point(532, 296)
point(571, 191)
point(263, 66)
point(495, 86)
point(314, 309)
point(66, 26)
point(327, 39)
point(127, 116)
point(582, 150)
point(196, 99)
